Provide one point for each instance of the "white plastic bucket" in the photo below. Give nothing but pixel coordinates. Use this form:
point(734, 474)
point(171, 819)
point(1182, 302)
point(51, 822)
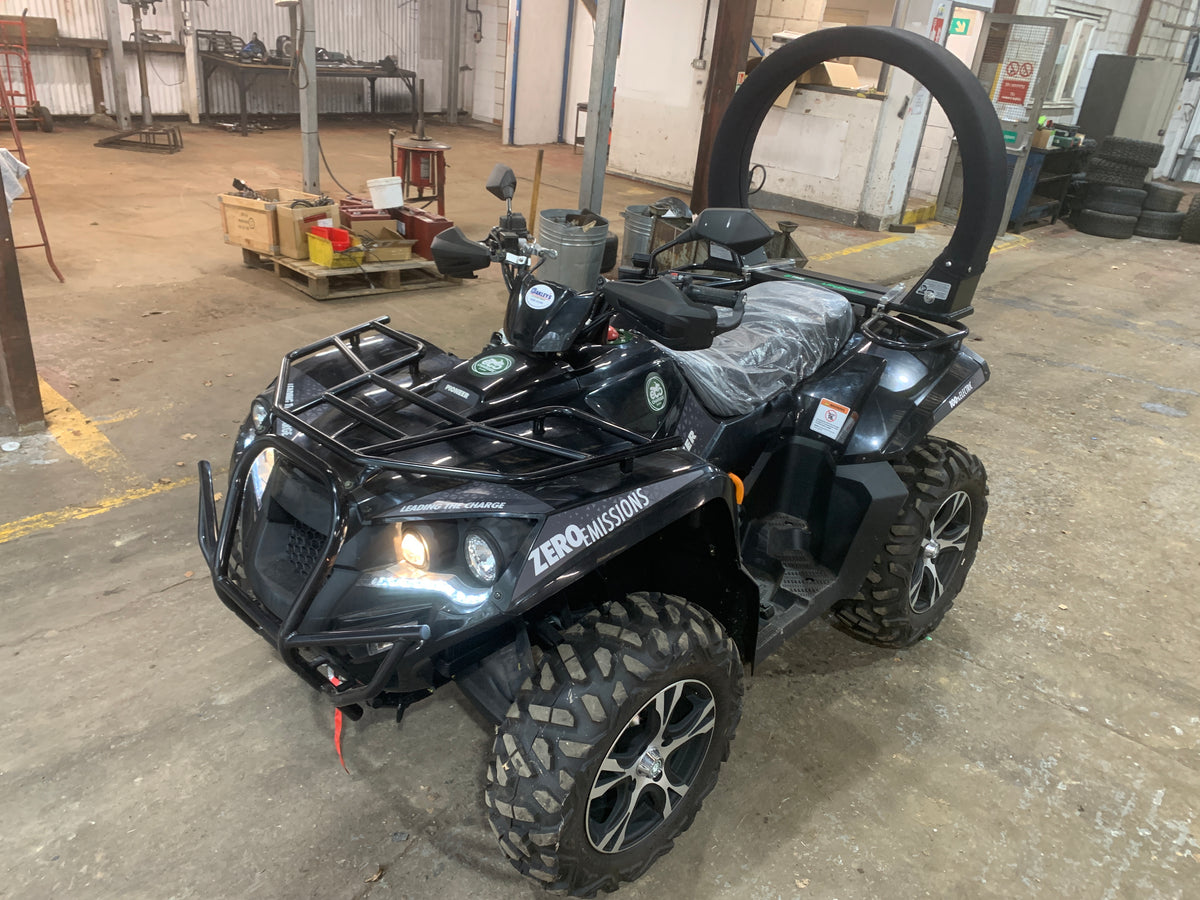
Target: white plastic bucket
point(386, 193)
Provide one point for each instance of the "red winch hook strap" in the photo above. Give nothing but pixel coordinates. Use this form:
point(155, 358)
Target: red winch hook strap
point(337, 726)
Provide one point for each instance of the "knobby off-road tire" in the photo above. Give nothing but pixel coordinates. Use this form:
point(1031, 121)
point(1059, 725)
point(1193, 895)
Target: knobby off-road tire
point(930, 549)
point(609, 749)
point(1162, 225)
point(1106, 225)
point(1190, 229)
point(1117, 201)
point(1162, 197)
point(1105, 171)
point(1130, 151)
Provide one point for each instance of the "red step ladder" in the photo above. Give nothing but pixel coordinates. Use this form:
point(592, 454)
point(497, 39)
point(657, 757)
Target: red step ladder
point(9, 93)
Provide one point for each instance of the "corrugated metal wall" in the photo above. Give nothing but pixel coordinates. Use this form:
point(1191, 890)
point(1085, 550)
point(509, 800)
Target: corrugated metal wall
point(76, 18)
point(367, 30)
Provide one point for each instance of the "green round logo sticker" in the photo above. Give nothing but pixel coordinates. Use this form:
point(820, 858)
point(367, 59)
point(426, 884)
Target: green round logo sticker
point(492, 365)
point(656, 393)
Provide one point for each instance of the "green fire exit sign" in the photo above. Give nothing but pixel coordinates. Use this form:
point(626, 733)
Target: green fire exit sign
point(960, 26)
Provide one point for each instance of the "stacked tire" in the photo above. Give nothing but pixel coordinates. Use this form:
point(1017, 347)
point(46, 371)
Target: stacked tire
point(1189, 230)
point(1116, 190)
point(1159, 218)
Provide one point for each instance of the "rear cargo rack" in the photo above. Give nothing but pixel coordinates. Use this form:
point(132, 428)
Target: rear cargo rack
point(624, 447)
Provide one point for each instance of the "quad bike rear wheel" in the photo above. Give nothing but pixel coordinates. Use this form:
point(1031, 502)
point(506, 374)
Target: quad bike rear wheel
point(921, 568)
point(609, 749)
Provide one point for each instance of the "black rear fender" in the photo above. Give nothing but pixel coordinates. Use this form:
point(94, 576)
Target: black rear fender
point(913, 395)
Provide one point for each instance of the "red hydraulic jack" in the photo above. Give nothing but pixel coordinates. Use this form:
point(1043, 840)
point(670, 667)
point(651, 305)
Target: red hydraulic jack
point(31, 194)
point(421, 162)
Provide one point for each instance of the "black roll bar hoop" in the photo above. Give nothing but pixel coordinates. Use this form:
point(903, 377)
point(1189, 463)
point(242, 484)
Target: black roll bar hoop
point(948, 285)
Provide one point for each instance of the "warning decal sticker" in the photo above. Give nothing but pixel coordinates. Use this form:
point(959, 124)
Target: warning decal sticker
point(829, 418)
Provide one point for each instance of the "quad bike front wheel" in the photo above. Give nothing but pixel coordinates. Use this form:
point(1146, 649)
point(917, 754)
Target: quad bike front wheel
point(609, 749)
point(930, 549)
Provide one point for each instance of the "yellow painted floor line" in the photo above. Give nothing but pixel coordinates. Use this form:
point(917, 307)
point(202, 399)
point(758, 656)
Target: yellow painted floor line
point(1015, 240)
point(42, 521)
point(870, 245)
point(80, 437)
point(858, 248)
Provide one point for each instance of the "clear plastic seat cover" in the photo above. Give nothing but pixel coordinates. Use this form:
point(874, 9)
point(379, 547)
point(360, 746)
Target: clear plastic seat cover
point(789, 330)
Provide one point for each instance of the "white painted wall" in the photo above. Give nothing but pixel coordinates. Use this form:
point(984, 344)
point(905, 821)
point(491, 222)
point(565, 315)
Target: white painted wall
point(660, 97)
point(817, 150)
point(580, 81)
point(935, 146)
point(538, 70)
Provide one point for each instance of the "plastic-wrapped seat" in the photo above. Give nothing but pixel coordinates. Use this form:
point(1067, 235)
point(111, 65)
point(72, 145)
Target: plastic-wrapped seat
point(789, 330)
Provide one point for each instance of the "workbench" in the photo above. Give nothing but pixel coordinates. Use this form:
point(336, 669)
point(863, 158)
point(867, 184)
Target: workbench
point(245, 73)
point(1044, 185)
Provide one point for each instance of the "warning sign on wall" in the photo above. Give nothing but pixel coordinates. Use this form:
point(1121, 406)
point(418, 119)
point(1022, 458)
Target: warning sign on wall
point(1012, 91)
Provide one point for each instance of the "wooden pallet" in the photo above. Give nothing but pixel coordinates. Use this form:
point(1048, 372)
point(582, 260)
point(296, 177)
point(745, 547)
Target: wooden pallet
point(323, 283)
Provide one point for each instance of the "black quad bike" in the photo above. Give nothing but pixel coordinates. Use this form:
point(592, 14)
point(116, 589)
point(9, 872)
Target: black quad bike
point(633, 491)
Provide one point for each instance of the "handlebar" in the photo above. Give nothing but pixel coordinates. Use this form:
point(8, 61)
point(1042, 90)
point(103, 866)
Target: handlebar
point(536, 249)
point(712, 295)
point(516, 250)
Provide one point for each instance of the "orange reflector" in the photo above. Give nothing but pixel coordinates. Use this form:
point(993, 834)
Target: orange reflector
point(739, 489)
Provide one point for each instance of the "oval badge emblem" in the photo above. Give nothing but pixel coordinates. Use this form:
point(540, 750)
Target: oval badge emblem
point(495, 364)
point(539, 296)
point(656, 392)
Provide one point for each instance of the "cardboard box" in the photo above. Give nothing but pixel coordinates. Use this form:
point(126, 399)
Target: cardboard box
point(271, 225)
point(831, 74)
point(839, 75)
point(388, 246)
point(370, 226)
point(1041, 139)
point(295, 222)
point(249, 223)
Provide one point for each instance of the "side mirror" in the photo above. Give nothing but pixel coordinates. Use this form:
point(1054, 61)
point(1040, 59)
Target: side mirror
point(457, 255)
point(741, 230)
point(502, 183)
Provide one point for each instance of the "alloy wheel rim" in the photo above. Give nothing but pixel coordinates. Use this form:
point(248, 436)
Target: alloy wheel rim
point(651, 766)
point(942, 550)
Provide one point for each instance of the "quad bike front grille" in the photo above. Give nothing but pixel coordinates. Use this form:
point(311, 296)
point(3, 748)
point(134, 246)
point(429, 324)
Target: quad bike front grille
point(305, 548)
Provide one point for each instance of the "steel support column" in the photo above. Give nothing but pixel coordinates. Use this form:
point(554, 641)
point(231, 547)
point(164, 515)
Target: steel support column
point(609, 14)
point(306, 49)
point(454, 64)
point(730, 46)
point(116, 50)
point(20, 398)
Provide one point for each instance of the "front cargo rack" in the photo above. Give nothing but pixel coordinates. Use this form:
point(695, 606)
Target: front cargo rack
point(624, 447)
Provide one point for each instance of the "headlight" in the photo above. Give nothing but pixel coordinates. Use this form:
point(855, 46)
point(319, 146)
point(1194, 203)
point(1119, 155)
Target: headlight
point(453, 564)
point(414, 549)
point(482, 560)
point(260, 415)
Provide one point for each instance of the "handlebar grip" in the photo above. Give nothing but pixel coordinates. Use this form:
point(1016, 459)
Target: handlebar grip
point(715, 296)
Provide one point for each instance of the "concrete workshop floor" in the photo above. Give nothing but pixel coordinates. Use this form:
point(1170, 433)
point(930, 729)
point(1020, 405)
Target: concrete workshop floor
point(1043, 743)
